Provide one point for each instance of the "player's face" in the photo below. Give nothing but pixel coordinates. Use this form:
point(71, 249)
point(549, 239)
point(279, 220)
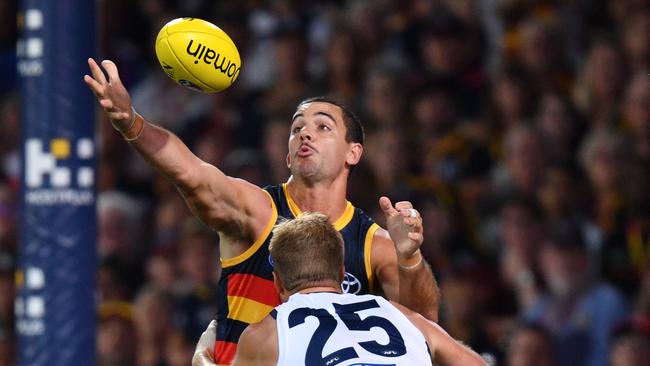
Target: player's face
point(317, 146)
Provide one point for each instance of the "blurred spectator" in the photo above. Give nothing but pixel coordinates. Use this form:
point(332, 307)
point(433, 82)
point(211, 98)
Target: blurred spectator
point(383, 103)
point(445, 58)
point(464, 297)
point(559, 122)
point(342, 77)
point(290, 85)
point(579, 310)
point(530, 345)
point(113, 281)
point(120, 230)
point(631, 345)
point(248, 164)
point(636, 38)
point(153, 318)
point(637, 115)
point(525, 158)
point(541, 55)
point(195, 290)
point(275, 147)
point(522, 234)
point(562, 197)
point(387, 155)
point(642, 301)
point(178, 350)
point(511, 103)
point(116, 335)
point(604, 155)
point(599, 90)
point(628, 258)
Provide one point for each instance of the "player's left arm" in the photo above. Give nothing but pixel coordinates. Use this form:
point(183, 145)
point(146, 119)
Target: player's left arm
point(445, 350)
point(403, 273)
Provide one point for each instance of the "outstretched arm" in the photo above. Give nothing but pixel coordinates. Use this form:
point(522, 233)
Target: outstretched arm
point(445, 350)
point(226, 204)
point(402, 271)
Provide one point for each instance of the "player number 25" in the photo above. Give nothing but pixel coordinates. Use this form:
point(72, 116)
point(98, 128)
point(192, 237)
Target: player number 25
point(349, 316)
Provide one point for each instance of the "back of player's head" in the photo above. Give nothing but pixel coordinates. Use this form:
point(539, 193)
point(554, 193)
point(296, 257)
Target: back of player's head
point(307, 251)
point(355, 132)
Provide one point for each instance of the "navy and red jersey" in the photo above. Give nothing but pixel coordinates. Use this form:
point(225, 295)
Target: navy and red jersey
point(246, 290)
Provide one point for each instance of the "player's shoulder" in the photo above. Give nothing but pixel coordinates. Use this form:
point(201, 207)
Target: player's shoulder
point(258, 330)
point(381, 237)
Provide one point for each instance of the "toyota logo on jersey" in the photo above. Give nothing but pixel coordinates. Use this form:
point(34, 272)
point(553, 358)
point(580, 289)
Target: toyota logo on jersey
point(350, 284)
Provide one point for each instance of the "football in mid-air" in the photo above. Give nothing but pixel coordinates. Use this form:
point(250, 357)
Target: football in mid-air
point(198, 55)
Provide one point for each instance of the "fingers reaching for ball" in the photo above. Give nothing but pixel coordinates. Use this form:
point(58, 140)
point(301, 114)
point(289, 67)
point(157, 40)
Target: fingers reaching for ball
point(110, 93)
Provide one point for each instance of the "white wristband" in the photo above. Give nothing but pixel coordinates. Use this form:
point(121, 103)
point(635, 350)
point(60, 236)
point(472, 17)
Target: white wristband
point(411, 266)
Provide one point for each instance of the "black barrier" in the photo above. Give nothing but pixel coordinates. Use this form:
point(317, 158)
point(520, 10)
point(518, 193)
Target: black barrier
point(55, 307)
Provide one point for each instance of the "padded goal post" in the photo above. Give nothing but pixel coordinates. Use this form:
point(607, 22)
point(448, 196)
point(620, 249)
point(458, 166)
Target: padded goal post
point(55, 303)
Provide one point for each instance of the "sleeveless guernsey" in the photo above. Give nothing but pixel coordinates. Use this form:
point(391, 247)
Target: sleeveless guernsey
point(246, 293)
point(328, 329)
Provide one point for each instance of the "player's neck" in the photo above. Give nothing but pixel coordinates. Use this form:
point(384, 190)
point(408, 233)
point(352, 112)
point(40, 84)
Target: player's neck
point(309, 290)
point(327, 198)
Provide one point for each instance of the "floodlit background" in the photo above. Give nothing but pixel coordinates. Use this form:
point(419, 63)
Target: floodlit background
point(519, 128)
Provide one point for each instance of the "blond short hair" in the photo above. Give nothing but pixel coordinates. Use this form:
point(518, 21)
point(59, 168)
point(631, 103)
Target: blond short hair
point(306, 251)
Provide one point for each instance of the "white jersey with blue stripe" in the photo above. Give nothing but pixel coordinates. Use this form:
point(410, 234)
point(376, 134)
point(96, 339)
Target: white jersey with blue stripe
point(331, 329)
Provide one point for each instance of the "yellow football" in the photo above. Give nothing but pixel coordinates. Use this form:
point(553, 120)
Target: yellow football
point(197, 55)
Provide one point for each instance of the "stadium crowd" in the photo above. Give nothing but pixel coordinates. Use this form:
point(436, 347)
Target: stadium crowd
point(519, 128)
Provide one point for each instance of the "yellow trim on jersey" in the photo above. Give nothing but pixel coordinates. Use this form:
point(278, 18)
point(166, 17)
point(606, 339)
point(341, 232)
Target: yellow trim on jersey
point(258, 243)
point(367, 249)
point(293, 207)
point(339, 224)
point(247, 310)
point(345, 219)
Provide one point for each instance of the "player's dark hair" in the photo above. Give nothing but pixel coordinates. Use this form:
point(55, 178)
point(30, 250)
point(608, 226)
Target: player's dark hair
point(355, 132)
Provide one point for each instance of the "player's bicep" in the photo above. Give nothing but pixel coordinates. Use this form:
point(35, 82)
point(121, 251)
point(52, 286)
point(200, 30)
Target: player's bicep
point(384, 263)
point(224, 203)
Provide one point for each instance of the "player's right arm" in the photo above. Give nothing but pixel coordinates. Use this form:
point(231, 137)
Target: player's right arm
point(234, 207)
point(445, 350)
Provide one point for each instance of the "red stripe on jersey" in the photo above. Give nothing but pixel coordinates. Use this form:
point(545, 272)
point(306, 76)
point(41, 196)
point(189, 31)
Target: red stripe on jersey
point(253, 288)
point(224, 352)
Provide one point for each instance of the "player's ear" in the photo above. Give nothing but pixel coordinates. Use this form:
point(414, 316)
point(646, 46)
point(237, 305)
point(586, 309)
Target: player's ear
point(341, 274)
point(289, 161)
point(279, 286)
point(354, 153)
point(277, 282)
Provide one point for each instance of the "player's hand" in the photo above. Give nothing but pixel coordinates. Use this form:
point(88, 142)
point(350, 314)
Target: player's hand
point(111, 94)
point(404, 226)
point(204, 352)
